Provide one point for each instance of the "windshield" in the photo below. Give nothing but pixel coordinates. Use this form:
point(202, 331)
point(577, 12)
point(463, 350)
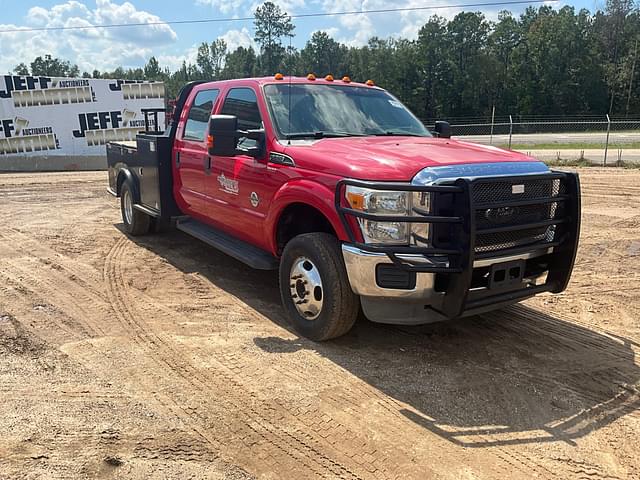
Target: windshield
point(335, 110)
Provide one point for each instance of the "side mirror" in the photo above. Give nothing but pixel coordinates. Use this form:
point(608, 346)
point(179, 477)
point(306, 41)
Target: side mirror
point(258, 150)
point(223, 135)
point(442, 129)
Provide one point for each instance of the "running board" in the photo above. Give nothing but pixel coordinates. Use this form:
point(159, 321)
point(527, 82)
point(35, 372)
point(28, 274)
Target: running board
point(243, 251)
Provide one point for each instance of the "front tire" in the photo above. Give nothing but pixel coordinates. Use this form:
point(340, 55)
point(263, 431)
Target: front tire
point(135, 222)
point(315, 289)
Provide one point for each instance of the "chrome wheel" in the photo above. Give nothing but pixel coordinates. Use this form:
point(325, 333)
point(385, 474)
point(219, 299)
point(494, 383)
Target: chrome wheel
point(128, 206)
point(306, 288)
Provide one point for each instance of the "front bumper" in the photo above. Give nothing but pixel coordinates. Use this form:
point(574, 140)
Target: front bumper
point(422, 302)
point(450, 280)
point(362, 265)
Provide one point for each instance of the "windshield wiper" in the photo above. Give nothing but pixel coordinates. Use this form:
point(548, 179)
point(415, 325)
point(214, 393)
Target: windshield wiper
point(319, 134)
point(397, 134)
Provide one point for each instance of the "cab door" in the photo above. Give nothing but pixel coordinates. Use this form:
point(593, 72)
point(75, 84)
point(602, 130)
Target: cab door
point(190, 155)
point(237, 189)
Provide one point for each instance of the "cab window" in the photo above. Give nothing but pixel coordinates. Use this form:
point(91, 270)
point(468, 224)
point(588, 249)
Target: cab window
point(199, 113)
point(242, 103)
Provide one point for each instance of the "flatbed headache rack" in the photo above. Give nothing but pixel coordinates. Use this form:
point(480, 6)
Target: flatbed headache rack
point(152, 113)
point(458, 238)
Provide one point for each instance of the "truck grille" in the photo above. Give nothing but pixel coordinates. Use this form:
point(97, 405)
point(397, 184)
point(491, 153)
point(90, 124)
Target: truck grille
point(502, 206)
point(489, 192)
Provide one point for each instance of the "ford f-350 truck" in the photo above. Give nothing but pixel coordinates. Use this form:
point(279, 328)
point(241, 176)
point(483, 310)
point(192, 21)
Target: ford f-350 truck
point(340, 187)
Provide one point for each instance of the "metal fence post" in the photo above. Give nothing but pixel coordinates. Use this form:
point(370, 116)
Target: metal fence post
point(510, 130)
point(606, 145)
point(493, 117)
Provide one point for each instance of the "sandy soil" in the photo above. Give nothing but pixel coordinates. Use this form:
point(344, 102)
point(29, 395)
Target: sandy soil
point(159, 357)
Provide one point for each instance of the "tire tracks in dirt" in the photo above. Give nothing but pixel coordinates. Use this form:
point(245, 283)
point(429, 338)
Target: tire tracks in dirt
point(590, 383)
point(264, 430)
point(61, 287)
point(256, 431)
point(308, 414)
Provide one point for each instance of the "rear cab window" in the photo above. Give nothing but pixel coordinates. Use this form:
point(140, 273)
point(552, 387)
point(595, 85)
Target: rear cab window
point(198, 119)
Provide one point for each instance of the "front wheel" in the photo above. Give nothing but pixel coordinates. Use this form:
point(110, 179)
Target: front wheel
point(315, 289)
point(135, 221)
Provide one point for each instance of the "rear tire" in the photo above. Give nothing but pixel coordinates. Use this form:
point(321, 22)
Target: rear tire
point(135, 222)
point(315, 289)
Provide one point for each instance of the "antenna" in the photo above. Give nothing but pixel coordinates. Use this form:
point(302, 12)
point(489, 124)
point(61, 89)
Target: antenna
point(289, 99)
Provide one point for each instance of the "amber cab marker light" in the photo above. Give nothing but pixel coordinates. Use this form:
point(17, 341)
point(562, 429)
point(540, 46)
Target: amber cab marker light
point(279, 76)
point(209, 142)
point(346, 79)
point(370, 83)
point(311, 76)
point(329, 78)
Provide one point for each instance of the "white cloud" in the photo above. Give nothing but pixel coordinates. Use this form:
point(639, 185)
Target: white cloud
point(89, 48)
point(107, 12)
point(333, 32)
point(174, 62)
point(247, 7)
point(38, 16)
point(107, 48)
point(357, 29)
point(238, 38)
point(223, 6)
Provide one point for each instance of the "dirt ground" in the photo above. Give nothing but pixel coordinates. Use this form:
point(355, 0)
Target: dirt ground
point(158, 357)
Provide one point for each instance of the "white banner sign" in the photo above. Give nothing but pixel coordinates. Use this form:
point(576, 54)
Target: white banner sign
point(45, 116)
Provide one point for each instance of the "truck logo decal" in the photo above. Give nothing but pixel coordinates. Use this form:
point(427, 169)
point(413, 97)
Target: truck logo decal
point(255, 200)
point(228, 185)
point(515, 189)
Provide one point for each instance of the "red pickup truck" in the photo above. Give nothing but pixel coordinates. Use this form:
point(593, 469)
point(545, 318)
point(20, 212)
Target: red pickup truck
point(340, 187)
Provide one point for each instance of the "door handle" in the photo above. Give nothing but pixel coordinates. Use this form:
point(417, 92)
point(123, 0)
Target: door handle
point(177, 159)
point(207, 165)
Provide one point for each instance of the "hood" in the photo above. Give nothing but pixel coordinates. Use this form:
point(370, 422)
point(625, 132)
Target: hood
point(391, 158)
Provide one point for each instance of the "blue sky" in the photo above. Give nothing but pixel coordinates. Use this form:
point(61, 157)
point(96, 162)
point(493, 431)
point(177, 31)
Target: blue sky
point(171, 44)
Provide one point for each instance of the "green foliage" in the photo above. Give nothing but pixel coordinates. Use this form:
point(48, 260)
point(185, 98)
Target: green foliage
point(241, 63)
point(21, 69)
point(49, 67)
point(544, 62)
point(271, 24)
point(323, 55)
point(210, 59)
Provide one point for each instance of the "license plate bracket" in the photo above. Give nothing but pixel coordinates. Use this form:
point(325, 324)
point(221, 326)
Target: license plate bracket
point(506, 274)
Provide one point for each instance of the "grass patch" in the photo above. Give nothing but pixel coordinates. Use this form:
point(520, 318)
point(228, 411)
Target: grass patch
point(586, 163)
point(570, 146)
point(571, 163)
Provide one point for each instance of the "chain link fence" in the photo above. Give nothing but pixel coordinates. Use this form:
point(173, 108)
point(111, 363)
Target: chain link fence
point(602, 140)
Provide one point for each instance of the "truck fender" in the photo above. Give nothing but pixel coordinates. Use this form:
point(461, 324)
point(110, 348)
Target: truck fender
point(125, 175)
point(306, 192)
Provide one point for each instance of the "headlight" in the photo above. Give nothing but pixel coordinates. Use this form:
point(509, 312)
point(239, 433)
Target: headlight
point(383, 202)
point(378, 201)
